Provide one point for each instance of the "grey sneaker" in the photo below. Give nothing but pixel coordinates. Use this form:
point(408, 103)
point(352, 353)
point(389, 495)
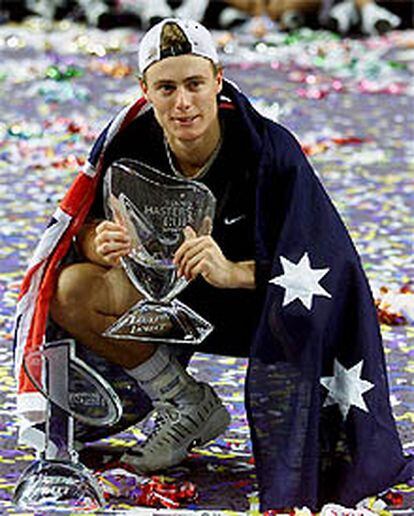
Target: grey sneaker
point(177, 429)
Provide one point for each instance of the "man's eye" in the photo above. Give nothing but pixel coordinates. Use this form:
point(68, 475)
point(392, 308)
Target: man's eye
point(166, 88)
point(194, 85)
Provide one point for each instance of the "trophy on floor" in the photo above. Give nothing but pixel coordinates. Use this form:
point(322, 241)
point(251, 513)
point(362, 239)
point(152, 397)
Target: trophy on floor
point(73, 391)
point(155, 208)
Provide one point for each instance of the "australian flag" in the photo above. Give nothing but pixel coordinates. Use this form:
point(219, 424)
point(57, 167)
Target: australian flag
point(316, 392)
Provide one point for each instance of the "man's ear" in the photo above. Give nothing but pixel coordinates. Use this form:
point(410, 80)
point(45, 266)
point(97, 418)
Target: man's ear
point(144, 88)
point(219, 79)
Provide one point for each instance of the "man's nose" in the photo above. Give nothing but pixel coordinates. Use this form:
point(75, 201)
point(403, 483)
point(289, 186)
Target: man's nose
point(183, 98)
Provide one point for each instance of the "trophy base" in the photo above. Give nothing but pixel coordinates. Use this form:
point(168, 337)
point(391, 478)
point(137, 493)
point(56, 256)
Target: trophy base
point(168, 323)
point(55, 485)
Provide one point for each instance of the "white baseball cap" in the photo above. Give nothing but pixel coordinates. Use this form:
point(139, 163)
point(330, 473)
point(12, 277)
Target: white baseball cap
point(196, 40)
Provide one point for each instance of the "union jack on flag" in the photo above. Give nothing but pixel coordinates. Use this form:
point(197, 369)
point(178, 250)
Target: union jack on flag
point(40, 278)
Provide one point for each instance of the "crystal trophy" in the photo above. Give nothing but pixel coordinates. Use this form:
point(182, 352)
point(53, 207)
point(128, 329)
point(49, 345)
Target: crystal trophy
point(74, 391)
point(155, 208)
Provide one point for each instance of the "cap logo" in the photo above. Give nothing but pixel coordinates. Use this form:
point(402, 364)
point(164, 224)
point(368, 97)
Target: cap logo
point(151, 54)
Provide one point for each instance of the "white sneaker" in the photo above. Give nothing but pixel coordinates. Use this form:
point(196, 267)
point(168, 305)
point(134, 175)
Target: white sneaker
point(377, 20)
point(192, 10)
point(177, 429)
point(292, 20)
point(153, 11)
point(342, 17)
point(93, 9)
point(231, 16)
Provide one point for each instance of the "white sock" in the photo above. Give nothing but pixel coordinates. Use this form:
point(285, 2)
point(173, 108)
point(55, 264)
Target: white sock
point(163, 378)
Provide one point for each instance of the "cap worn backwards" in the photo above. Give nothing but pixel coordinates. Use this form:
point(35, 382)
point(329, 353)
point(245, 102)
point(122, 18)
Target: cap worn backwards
point(175, 37)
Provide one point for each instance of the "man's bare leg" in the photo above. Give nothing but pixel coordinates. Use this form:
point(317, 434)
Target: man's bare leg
point(276, 8)
point(251, 7)
point(89, 298)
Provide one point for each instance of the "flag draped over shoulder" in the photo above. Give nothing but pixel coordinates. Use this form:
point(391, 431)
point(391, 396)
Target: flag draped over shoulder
point(316, 389)
point(316, 392)
point(39, 281)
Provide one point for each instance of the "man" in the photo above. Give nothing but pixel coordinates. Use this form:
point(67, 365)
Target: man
point(343, 16)
point(91, 295)
point(337, 16)
point(278, 277)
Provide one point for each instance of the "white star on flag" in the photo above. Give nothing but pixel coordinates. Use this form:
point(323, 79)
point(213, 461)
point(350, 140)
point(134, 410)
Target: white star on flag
point(346, 388)
point(300, 281)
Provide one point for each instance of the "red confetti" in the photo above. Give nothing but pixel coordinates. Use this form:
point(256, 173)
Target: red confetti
point(394, 499)
point(366, 86)
point(386, 316)
point(312, 93)
point(160, 491)
point(73, 127)
point(349, 140)
point(388, 307)
point(322, 146)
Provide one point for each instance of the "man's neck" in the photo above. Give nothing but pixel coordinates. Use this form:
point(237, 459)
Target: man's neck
point(192, 155)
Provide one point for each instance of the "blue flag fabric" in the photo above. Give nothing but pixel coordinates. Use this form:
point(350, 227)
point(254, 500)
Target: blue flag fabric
point(316, 392)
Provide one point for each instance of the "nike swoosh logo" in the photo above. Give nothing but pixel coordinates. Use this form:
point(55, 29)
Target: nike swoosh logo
point(232, 220)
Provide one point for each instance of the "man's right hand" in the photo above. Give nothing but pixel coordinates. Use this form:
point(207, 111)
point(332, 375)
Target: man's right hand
point(111, 242)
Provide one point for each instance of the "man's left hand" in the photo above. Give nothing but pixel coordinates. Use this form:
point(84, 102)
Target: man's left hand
point(201, 255)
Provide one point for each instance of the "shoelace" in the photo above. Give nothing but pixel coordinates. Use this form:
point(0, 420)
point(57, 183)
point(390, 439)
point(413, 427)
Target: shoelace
point(164, 412)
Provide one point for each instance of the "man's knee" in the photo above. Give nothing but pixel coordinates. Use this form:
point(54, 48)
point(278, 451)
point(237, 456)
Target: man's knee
point(75, 286)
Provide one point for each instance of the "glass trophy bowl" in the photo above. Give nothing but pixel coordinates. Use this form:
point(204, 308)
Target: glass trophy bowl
point(155, 208)
point(57, 481)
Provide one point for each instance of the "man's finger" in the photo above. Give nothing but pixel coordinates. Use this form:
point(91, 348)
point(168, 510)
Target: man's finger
point(114, 236)
point(206, 227)
point(109, 225)
point(189, 233)
point(117, 211)
point(110, 247)
point(191, 253)
point(190, 264)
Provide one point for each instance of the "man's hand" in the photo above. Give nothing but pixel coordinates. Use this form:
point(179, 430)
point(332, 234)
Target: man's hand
point(112, 241)
point(201, 255)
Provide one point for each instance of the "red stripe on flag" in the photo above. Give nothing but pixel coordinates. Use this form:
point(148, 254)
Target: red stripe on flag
point(27, 280)
point(40, 316)
point(133, 111)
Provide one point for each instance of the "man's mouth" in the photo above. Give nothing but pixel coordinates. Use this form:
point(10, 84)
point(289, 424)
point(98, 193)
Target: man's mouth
point(185, 120)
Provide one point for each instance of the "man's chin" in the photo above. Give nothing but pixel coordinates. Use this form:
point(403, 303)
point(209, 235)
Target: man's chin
point(188, 136)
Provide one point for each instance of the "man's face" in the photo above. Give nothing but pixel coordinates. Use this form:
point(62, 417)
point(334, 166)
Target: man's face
point(183, 90)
